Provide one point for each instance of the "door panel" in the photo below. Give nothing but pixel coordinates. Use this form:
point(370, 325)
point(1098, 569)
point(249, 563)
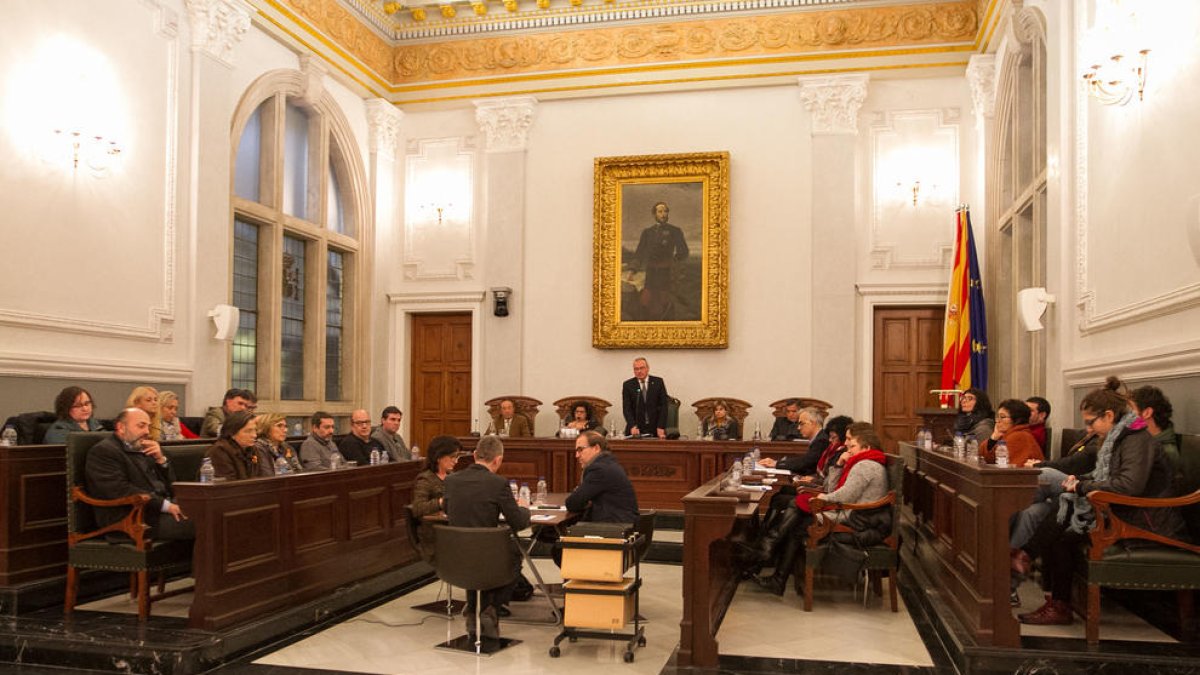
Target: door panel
point(440, 379)
point(907, 364)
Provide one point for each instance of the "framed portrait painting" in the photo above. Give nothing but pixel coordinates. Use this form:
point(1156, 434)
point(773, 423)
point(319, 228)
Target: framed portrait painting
point(660, 261)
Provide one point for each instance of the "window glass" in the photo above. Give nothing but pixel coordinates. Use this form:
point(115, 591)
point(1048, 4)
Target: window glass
point(249, 152)
point(245, 298)
point(334, 277)
point(291, 374)
point(295, 162)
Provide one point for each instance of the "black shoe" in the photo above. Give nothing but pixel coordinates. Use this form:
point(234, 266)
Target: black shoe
point(774, 583)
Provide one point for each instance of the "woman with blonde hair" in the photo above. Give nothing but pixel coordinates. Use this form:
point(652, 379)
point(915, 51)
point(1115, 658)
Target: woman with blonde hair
point(146, 398)
point(173, 429)
point(272, 441)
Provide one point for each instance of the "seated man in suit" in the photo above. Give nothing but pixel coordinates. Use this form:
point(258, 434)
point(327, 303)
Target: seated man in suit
point(128, 463)
point(644, 402)
point(604, 485)
point(235, 400)
point(787, 427)
point(810, 422)
point(509, 423)
point(475, 497)
point(388, 434)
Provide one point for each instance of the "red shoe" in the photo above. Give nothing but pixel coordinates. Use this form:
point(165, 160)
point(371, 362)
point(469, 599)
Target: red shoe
point(1021, 562)
point(1053, 613)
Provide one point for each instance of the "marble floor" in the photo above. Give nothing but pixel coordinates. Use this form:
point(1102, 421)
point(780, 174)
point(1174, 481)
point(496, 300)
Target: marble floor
point(1115, 620)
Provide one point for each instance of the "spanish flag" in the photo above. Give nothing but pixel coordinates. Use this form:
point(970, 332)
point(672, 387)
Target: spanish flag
point(964, 343)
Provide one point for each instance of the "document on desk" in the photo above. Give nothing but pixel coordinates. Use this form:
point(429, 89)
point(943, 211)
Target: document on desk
point(771, 471)
point(541, 517)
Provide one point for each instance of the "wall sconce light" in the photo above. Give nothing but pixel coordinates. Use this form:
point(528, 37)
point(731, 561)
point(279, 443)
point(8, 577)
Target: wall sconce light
point(98, 152)
point(1117, 57)
point(1031, 305)
point(500, 299)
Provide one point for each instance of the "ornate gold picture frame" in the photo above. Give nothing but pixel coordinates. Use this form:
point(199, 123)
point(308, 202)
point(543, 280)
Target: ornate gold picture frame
point(660, 265)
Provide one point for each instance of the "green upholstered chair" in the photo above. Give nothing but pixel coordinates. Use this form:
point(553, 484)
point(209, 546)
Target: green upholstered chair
point(1155, 562)
point(883, 557)
point(88, 547)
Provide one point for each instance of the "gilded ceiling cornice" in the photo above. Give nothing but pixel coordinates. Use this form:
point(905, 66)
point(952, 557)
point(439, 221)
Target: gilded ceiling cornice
point(344, 28)
point(708, 40)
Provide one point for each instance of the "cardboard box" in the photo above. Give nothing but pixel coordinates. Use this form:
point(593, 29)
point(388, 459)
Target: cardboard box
point(595, 559)
point(598, 605)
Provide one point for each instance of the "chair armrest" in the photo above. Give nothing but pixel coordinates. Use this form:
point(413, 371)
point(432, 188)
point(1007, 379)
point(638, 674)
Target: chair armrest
point(133, 524)
point(79, 495)
point(1110, 528)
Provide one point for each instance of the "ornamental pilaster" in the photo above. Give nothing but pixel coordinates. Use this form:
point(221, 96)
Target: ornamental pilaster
point(981, 76)
point(383, 124)
point(218, 27)
point(833, 102)
point(505, 122)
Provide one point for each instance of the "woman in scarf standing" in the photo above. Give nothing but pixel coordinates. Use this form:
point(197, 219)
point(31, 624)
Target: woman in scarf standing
point(1129, 462)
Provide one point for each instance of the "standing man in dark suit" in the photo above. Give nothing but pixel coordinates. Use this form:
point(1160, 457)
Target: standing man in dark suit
point(475, 497)
point(604, 485)
point(129, 463)
point(644, 402)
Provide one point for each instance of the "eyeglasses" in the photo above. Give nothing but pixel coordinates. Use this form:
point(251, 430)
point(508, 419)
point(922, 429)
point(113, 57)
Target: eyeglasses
point(85, 404)
point(1087, 422)
point(968, 397)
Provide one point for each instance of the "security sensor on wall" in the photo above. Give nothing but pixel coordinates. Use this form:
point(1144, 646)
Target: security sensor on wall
point(225, 319)
point(1031, 305)
point(500, 296)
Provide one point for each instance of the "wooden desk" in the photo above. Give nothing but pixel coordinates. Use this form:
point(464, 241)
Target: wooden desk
point(662, 472)
point(709, 574)
point(961, 512)
point(268, 543)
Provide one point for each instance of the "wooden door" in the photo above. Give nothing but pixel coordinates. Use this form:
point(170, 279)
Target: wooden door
point(907, 364)
point(440, 376)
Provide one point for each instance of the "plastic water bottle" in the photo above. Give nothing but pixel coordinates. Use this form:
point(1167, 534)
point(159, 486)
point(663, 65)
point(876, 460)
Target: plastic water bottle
point(207, 472)
point(1001, 454)
point(929, 439)
point(523, 493)
point(735, 475)
point(8, 436)
point(747, 463)
point(972, 449)
point(960, 445)
point(297, 429)
point(700, 431)
point(336, 461)
point(416, 452)
point(282, 467)
point(384, 457)
point(374, 456)
point(512, 485)
point(756, 454)
point(540, 498)
point(757, 433)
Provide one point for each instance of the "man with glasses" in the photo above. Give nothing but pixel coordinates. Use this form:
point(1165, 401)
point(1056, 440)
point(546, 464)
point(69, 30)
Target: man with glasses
point(388, 434)
point(358, 444)
point(810, 422)
point(604, 486)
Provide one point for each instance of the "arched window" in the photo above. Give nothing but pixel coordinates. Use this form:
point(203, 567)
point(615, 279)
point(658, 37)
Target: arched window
point(1018, 209)
point(299, 229)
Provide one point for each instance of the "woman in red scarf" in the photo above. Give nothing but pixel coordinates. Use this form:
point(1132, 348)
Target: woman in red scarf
point(863, 479)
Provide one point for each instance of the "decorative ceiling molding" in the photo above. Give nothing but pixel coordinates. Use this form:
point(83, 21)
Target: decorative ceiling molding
point(505, 122)
point(218, 27)
point(708, 40)
point(834, 102)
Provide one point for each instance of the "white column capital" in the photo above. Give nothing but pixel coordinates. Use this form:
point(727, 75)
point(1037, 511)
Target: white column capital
point(383, 122)
point(506, 122)
point(981, 75)
point(218, 26)
point(834, 102)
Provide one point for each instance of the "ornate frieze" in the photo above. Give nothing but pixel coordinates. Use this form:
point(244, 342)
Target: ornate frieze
point(981, 75)
point(738, 37)
point(218, 26)
point(345, 28)
point(505, 122)
point(834, 102)
point(383, 120)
